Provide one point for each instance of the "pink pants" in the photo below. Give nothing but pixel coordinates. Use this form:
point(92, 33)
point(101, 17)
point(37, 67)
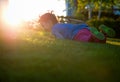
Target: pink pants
point(85, 35)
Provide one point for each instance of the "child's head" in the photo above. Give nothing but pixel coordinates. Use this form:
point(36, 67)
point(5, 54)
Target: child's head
point(48, 20)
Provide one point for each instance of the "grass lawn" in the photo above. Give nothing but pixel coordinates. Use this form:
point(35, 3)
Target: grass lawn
point(39, 57)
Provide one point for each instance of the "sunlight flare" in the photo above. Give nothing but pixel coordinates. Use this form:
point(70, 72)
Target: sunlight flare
point(25, 10)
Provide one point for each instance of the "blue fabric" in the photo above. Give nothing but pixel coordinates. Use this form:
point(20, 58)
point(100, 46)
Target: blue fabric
point(68, 31)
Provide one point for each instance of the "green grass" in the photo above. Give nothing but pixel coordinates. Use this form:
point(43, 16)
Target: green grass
point(39, 57)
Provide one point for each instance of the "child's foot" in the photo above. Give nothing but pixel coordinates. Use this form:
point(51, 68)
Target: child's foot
point(97, 34)
point(108, 31)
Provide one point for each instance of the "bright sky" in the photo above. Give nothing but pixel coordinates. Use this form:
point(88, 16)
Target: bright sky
point(29, 9)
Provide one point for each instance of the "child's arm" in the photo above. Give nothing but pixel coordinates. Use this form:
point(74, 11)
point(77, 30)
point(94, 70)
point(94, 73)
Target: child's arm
point(58, 35)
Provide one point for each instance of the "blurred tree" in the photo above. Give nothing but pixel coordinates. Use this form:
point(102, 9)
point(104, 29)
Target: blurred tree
point(79, 6)
point(71, 6)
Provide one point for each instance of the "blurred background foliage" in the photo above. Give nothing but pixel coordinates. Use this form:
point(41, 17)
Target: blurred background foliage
point(96, 12)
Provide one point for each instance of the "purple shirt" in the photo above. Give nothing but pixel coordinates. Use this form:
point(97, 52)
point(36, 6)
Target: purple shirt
point(67, 31)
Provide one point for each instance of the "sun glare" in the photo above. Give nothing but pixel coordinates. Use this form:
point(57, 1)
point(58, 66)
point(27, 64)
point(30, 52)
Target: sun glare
point(19, 10)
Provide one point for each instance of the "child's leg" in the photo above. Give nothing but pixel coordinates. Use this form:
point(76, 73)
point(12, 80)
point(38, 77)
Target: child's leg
point(97, 36)
point(83, 35)
point(107, 31)
point(86, 35)
point(98, 40)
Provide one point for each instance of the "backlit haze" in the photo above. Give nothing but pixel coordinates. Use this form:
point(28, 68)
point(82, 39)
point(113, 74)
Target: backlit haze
point(25, 10)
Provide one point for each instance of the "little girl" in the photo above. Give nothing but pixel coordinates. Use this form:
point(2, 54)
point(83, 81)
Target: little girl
point(79, 32)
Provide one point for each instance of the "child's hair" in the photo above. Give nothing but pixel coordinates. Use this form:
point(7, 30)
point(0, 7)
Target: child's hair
point(48, 16)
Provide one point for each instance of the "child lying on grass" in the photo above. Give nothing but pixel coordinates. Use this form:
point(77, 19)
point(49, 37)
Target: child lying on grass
point(79, 32)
